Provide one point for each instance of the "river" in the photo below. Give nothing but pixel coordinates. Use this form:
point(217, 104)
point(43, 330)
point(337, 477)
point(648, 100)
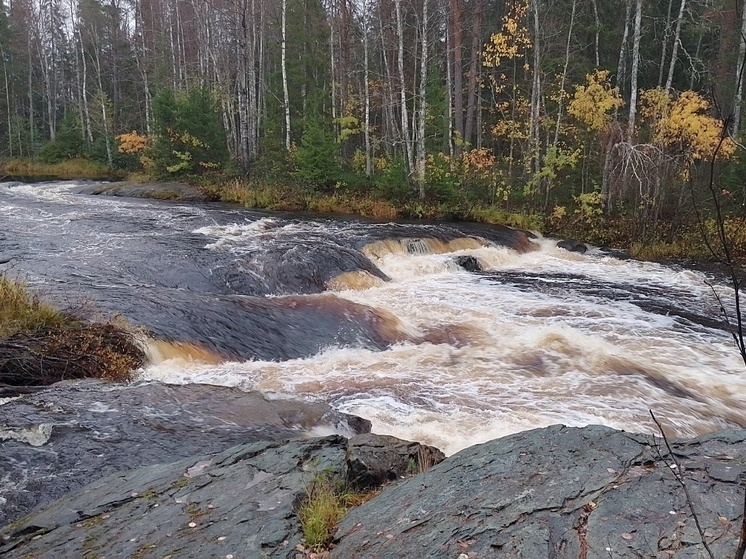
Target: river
point(379, 320)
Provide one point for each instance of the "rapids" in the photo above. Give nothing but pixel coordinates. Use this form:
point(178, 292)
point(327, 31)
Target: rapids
point(378, 319)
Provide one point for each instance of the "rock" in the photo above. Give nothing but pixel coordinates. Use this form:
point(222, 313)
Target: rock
point(238, 503)
point(59, 439)
point(559, 492)
point(376, 459)
point(159, 190)
point(573, 246)
point(468, 263)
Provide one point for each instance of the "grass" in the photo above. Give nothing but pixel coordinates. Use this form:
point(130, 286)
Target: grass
point(319, 514)
point(40, 345)
point(22, 311)
point(327, 501)
point(70, 169)
point(530, 222)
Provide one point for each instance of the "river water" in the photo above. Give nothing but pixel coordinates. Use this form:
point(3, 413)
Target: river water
point(379, 320)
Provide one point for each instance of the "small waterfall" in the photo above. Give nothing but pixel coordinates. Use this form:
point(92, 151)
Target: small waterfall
point(383, 321)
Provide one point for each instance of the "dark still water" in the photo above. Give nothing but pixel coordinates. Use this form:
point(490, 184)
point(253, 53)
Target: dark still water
point(379, 320)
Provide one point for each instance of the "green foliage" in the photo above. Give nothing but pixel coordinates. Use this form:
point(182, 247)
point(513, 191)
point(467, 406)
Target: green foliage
point(393, 182)
point(320, 513)
point(444, 183)
point(69, 143)
point(189, 133)
point(349, 126)
point(317, 160)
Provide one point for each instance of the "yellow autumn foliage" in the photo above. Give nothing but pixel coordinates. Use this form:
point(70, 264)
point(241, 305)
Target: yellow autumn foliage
point(683, 123)
point(592, 104)
point(513, 40)
point(133, 142)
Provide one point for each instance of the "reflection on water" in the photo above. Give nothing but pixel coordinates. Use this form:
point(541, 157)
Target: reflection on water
point(403, 336)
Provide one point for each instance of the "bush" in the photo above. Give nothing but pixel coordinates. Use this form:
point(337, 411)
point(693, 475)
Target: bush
point(317, 159)
point(68, 144)
point(190, 138)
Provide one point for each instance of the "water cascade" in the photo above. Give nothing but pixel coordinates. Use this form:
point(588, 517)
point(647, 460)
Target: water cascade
point(384, 320)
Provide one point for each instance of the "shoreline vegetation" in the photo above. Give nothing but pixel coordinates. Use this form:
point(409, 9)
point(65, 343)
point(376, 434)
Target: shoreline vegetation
point(41, 345)
point(680, 241)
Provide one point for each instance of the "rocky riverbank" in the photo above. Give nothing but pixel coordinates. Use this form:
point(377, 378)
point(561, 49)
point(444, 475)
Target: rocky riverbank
point(208, 472)
point(159, 190)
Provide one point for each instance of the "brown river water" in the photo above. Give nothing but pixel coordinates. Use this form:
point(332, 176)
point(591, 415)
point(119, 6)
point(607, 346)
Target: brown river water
point(379, 320)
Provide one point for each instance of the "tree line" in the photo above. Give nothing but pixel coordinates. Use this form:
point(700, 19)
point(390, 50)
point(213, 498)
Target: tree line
point(558, 106)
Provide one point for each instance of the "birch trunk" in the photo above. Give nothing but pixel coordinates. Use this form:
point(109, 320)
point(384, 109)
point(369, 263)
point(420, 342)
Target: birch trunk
point(620, 69)
point(535, 140)
point(449, 92)
point(675, 48)
point(285, 94)
point(366, 78)
point(664, 47)
point(406, 138)
point(597, 23)
point(421, 155)
point(635, 71)
point(739, 75)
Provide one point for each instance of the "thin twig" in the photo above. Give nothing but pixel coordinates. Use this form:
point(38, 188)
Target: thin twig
point(675, 467)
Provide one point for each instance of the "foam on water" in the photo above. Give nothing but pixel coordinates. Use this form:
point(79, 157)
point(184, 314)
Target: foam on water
point(523, 358)
point(542, 337)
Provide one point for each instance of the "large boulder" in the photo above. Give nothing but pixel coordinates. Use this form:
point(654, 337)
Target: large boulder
point(560, 493)
point(57, 440)
point(239, 503)
point(573, 246)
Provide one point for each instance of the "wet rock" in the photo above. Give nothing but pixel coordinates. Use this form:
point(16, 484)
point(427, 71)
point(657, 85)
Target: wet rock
point(573, 246)
point(238, 503)
point(57, 440)
point(159, 190)
point(469, 263)
point(562, 493)
point(376, 459)
point(557, 492)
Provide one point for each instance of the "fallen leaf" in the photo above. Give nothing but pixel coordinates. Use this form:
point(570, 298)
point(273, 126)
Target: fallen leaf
point(627, 536)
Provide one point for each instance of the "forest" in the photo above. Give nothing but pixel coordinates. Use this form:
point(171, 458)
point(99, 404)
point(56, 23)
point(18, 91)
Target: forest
point(620, 119)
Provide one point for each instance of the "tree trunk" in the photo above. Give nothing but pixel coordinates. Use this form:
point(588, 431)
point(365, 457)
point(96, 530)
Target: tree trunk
point(675, 49)
point(563, 79)
point(406, 138)
point(458, 74)
point(366, 78)
point(740, 62)
point(664, 44)
point(9, 112)
point(535, 129)
point(476, 44)
point(421, 154)
point(597, 23)
point(620, 71)
point(635, 71)
point(285, 94)
point(449, 92)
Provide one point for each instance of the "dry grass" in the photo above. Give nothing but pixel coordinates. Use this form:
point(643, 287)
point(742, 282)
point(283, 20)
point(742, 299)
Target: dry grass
point(20, 310)
point(326, 503)
point(319, 514)
point(40, 345)
point(71, 169)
